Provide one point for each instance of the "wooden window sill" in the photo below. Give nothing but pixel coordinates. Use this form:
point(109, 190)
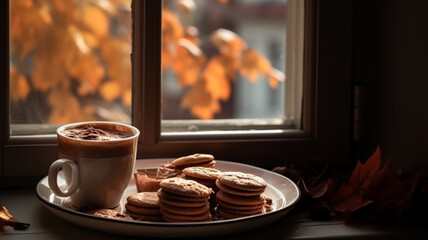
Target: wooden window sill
point(26, 207)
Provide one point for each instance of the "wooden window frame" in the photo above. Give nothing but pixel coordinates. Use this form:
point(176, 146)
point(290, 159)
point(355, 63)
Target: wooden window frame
point(325, 126)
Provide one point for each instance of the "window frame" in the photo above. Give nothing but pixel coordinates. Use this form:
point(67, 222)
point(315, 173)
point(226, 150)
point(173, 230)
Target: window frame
point(325, 133)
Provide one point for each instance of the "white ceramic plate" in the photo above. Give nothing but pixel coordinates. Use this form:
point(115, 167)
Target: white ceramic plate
point(283, 192)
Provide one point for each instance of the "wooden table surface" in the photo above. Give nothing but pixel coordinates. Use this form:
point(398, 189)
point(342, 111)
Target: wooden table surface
point(24, 205)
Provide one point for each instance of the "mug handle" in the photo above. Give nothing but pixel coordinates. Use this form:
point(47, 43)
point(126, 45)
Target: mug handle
point(53, 173)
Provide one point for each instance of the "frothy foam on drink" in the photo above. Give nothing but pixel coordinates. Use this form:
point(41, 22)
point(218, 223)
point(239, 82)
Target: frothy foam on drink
point(92, 133)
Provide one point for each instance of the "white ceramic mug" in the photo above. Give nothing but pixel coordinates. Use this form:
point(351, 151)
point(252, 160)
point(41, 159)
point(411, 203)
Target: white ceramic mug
point(96, 172)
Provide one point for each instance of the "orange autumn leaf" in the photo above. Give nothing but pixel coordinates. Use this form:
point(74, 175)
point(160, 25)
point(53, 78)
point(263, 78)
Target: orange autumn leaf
point(96, 20)
point(6, 219)
point(375, 185)
point(110, 91)
point(172, 30)
point(127, 97)
point(89, 72)
point(391, 194)
point(51, 72)
point(192, 34)
point(349, 197)
point(65, 9)
point(19, 87)
point(223, 1)
point(215, 76)
point(228, 42)
point(254, 65)
point(200, 102)
point(231, 47)
point(116, 54)
point(188, 61)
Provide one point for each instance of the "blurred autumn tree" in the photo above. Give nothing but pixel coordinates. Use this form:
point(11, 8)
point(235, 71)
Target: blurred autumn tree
point(208, 78)
point(68, 54)
point(73, 58)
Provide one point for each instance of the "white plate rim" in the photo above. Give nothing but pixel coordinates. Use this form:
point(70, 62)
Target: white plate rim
point(154, 229)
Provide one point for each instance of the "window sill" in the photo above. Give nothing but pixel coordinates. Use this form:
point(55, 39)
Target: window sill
point(24, 206)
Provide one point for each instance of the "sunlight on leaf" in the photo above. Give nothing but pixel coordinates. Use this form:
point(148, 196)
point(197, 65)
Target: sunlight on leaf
point(217, 83)
point(200, 101)
point(89, 72)
point(228, 42)
point(110, 91)
point(96, 20)
point(254, 65)
point(275, 77)
point(186, 6)
point(188, 61)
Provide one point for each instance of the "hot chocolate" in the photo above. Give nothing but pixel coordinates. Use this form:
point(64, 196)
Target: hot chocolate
point(97, 160)
point(93, 133)
point(96, 139)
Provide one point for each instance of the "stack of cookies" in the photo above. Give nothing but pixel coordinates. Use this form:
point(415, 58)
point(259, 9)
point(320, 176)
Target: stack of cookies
point(183, 200)
point(197, 159)
point(144, 206)
point(205, 176)
point(240, 194)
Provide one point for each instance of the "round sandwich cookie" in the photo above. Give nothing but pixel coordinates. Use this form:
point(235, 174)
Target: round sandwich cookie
point(197, 159)
point(223, 204)
point(236, 191)
point(185, 210)
point(144, 199)
point(144, 206)
point(184, 187)
point(203, 175)
point(181, 201)
point(202, 172)
point(243, 181)
point(239, 200)
point(234, 206)
point(130, 208)
point(172, 217)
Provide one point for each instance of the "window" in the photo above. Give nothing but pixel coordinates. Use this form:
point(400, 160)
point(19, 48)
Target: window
point(324, 94)
point(216, 69)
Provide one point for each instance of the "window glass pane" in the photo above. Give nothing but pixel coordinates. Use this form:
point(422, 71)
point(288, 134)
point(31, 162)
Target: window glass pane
point(224, 62)
point(69, 61)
